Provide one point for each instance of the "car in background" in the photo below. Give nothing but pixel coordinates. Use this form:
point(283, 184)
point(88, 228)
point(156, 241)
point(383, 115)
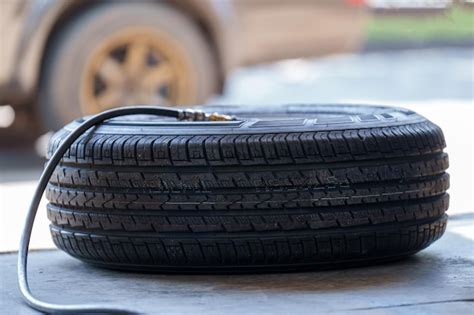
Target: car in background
point(64, 59)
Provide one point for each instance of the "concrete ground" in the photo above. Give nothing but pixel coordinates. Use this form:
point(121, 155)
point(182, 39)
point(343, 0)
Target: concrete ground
point(437, 83)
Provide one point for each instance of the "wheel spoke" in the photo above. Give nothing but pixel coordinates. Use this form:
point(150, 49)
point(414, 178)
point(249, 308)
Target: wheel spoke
point(112, 73)
point(159, 75)
point(110, 98)
point(136, 58)
point(157, 99)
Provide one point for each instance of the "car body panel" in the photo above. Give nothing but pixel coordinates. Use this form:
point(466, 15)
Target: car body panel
point(27, 25)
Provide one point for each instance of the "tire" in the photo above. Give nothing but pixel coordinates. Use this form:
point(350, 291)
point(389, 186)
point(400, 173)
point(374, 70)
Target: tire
point(68, 55)
point(345, 185)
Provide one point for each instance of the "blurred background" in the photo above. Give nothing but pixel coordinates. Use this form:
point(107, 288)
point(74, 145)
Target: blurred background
point(64, 59)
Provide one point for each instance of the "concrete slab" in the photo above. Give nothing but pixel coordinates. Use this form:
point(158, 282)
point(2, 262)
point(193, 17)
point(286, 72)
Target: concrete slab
point(439, 280)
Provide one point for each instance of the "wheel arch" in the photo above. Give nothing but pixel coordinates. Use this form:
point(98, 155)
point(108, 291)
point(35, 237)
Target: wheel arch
point(212, 20)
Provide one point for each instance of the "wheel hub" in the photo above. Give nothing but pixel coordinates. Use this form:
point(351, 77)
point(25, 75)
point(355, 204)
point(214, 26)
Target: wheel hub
point(134, 67)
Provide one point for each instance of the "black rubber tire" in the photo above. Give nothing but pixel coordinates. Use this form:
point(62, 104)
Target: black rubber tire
point(70, 47)
point(344, 185)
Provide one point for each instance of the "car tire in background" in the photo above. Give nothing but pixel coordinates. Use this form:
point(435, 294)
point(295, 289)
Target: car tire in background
point(124, 53)
point(293, 187)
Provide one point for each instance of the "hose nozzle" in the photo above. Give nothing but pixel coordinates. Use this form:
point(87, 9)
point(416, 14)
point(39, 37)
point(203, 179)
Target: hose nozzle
point(199, 115)
point(220, 117)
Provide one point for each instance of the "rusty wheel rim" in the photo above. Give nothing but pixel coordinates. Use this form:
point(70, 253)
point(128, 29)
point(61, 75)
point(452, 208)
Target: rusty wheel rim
point(136, 66)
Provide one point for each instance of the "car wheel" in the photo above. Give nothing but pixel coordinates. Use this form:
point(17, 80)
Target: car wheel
point(120, 53)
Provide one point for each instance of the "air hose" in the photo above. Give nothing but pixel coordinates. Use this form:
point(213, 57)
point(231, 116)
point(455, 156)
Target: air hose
point(189, 115)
